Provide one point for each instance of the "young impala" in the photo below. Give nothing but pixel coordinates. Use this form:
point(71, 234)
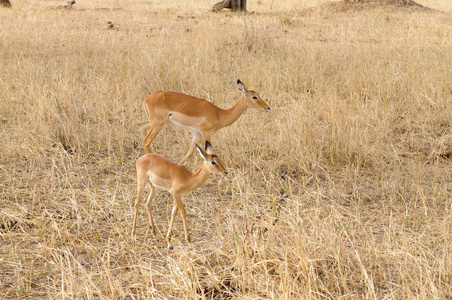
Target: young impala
point(176, 179)
point(198, 115)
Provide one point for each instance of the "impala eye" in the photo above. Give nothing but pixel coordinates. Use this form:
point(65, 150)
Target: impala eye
point(255, 97)
point(214, 162)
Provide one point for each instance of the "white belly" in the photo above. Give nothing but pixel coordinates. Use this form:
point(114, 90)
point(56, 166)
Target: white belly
point(159, 182)
point(188, 122)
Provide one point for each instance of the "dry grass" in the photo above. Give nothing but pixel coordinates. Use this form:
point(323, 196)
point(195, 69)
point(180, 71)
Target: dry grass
point(342, 191)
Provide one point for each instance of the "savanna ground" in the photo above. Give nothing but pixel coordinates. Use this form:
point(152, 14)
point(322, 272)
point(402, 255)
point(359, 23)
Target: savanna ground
point(342, 191)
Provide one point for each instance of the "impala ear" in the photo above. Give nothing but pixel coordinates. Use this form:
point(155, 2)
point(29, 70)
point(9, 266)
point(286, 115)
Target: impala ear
point(201, 152)
point(241, 87)
point(209, 148)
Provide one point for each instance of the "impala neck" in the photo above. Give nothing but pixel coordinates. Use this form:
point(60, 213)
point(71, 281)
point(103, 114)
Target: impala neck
point(199, 177)
point(229, 116)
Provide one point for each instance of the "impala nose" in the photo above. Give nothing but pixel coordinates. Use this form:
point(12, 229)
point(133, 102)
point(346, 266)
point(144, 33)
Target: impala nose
point(225, 174)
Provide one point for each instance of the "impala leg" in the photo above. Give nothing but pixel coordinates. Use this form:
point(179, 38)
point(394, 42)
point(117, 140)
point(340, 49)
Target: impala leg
point(191, 150)
point(141, 183)
point(183, 213)
point(155, 129)
point(149, 203)
point(170, 227)
point(143, 129)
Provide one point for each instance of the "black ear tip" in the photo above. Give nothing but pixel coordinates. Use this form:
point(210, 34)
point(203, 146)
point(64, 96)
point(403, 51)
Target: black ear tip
point(238, 81)
point(208, 144)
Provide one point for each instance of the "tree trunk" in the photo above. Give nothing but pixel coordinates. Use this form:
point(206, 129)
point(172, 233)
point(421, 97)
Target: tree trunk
point(234, 5)
point(5, 3)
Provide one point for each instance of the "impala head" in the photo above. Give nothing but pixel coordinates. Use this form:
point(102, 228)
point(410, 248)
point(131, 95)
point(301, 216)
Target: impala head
point(212, 161)
point(252, 98)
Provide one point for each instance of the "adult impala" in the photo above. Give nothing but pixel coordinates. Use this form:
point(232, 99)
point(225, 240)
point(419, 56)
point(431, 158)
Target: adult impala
point(198, 115)
point(174, 178)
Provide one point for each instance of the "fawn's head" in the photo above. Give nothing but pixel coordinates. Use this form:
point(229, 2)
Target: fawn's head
point(212, 161)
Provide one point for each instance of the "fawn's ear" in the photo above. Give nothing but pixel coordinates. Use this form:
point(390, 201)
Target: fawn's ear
point(209, 149)
point(201, 152)
point(242, 87)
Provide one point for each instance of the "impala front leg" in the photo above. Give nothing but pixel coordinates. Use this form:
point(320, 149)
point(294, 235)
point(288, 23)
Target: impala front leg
point(183, 213)
point(170, 227)
point(191, 150)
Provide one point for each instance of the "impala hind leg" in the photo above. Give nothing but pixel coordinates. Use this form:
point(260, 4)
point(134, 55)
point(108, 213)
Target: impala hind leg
point(144, 126)
point(191, 150)
point(149, 203)
point(155, 129)
point(141, 184)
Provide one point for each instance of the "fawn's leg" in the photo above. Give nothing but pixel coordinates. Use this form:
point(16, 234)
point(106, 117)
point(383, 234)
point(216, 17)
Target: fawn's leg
point(149, 203)
point(170, 227)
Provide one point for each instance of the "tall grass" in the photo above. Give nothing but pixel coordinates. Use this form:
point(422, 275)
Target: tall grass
point(343, 190)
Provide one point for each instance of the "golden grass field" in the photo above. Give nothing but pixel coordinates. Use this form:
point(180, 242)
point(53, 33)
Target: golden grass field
point(342, 191)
